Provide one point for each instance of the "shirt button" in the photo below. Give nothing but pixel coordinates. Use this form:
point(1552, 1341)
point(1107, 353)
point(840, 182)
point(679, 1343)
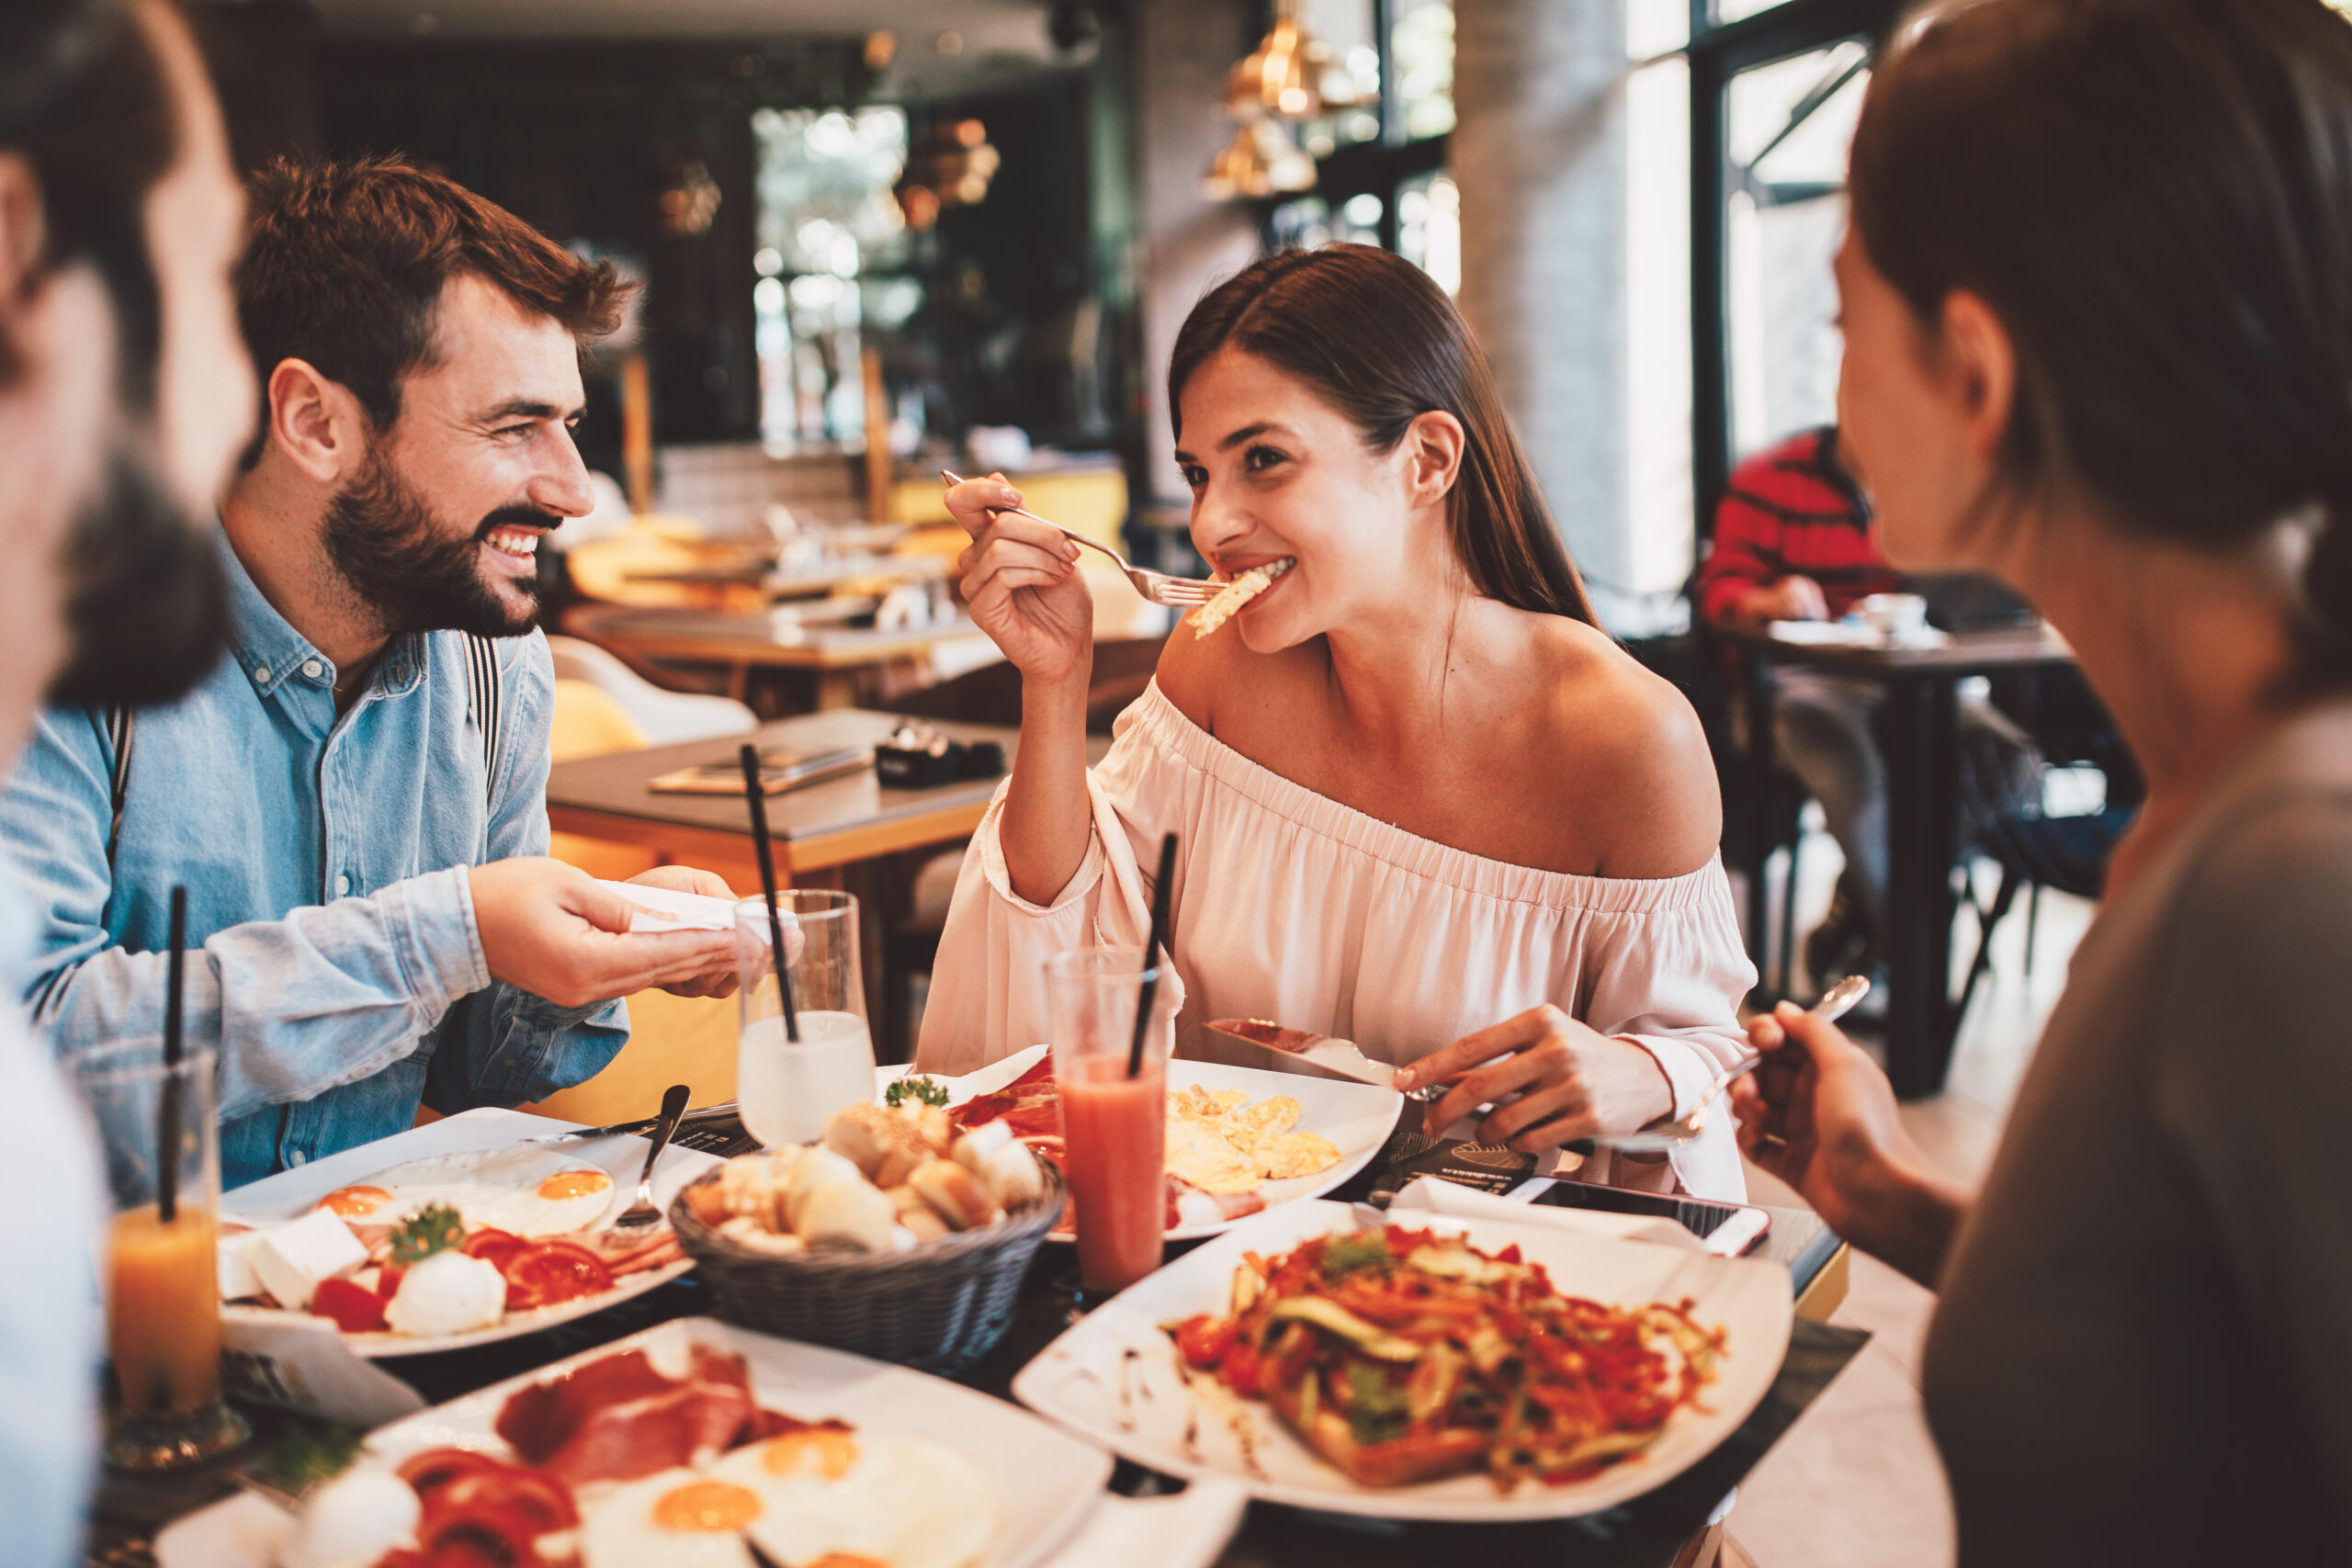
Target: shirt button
point(312, 667)
point(342, 885)
point(261, 672)
point(296, 1157)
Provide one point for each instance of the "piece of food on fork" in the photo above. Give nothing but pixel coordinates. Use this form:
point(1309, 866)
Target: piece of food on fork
point(1238, 592)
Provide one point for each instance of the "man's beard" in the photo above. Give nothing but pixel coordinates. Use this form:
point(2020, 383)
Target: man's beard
point(382, 538)
point(146, 602)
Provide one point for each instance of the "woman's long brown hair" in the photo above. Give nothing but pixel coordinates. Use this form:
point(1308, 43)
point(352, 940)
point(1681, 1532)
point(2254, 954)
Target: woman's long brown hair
point(1382, 344)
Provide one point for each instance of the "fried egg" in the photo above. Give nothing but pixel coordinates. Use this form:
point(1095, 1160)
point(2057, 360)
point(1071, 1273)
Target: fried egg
point(361, 1206)
point(678, 1518)
point(905, 1501)
point(525, 1191)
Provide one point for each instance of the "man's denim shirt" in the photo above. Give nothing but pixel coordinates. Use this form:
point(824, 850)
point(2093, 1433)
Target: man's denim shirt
point(325, 860)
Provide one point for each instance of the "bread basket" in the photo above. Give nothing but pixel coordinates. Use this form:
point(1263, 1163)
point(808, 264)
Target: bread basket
point(938, 1309)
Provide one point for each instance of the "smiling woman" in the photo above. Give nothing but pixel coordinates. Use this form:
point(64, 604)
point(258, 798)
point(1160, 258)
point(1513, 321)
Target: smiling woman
point(1419, 797)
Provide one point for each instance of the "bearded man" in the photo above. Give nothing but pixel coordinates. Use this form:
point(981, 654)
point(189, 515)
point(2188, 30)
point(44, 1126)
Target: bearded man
point(355, 797)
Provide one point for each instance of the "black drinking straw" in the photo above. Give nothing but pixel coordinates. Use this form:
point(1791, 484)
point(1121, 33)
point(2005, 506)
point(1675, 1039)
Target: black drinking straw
point(758, 797)
point(1158, 942)
point(168, 1129)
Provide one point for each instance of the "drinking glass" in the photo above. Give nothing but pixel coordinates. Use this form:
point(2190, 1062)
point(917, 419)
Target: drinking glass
point(163, 1291)
point(1114, 1127)
point(787, 1088)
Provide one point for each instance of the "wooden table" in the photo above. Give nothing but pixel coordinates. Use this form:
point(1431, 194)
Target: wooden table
point(822, 666)
point(1918, 730)
point(847, 832)
point(1668, 1528)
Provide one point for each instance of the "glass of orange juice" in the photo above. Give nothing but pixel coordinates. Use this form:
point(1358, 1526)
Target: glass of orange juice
point(1115, 1126)
point(160, 1264)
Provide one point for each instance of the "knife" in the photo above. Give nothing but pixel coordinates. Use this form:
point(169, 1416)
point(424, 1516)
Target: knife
point(1333, 1056)
point(718, 1113)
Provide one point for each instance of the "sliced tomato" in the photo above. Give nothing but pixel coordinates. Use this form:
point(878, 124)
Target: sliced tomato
point(429, 1469)
point(1242, 1369)
point(1204, 1339)
point(480, 1532)
point(542, 1497)
point(355, 1310)
point(497, 1245)
point(546, 1272)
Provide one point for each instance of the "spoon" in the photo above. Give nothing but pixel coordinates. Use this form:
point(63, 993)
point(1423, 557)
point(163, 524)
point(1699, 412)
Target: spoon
point(1834, 1003)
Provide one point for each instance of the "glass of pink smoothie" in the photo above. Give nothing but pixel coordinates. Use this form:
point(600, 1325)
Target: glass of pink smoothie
point(1113, 1126)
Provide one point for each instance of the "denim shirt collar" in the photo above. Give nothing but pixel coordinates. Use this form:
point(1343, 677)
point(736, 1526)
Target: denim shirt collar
point(271, 652)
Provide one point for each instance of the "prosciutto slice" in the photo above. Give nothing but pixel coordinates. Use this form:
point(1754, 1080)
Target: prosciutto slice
point(620, 1419)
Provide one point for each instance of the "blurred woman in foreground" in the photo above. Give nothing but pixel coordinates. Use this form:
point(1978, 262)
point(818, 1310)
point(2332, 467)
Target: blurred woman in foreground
point(2097, 305)
point(1421, 797)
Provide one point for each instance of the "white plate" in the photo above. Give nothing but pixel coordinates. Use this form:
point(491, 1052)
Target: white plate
point(1048, 1481)
point(290, 1194)
point(1186, 1529)
point(1077, 1380)
point(1356, 1117)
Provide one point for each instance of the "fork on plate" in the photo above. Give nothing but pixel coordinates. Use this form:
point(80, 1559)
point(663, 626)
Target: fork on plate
point(1179, 593)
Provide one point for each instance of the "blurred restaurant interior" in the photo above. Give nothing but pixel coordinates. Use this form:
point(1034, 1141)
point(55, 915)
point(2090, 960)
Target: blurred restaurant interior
point(879, 240)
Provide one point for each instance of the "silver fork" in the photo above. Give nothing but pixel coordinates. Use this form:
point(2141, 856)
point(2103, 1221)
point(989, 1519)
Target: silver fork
point(1179, 592)
point(643, 1212)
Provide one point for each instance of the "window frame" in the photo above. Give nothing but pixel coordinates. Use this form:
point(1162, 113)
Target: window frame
point(1717, 53)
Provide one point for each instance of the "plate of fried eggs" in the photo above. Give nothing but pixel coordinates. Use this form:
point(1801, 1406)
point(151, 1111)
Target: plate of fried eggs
point(475, 1163)
point(1233, 1131)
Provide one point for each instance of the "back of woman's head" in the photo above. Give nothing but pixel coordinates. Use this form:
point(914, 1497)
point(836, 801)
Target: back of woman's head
point(2155, 198)
point(1369, 333)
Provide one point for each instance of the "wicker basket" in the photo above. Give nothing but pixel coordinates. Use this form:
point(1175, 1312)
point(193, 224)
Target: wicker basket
point(938, 1309)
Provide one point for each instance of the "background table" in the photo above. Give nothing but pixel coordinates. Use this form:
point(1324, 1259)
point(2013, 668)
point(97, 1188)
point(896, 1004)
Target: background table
point(822, 669)
point(1918, 728)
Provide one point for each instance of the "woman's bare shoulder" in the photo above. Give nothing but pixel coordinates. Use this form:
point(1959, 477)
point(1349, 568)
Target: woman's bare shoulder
point(1631, 757)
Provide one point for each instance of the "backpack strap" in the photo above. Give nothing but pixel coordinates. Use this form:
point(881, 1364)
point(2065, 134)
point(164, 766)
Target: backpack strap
point(485, 702)
point(119, 732)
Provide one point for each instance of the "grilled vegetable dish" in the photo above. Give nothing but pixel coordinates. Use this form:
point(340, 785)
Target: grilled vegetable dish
point(1404, 1356)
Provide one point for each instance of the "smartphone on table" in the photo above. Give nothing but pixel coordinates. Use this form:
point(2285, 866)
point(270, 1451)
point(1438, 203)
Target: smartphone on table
point(1725, 1230)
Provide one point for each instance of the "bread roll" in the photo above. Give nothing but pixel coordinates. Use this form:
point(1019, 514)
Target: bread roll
point(923, 1224)
point(855, 1215)
point(953, 1195)
point(1012, 1177)
point(884, 1144)
point(932, 1122)
point(974, 1148)
point(817, 1169)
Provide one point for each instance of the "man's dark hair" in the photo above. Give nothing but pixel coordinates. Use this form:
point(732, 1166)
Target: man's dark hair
point(347, 261)
point(84, 99)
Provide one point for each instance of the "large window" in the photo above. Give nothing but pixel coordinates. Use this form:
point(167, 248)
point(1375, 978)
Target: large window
point(833, 250)
point(1381, 179)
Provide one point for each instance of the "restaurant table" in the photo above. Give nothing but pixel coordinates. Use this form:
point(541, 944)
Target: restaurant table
point(1677, 1526)
point(1918, 728)
point(822, 669)
point(850, 832)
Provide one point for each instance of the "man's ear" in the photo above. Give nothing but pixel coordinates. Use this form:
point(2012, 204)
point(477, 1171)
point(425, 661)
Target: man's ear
point(24, 238)
point(316, 423)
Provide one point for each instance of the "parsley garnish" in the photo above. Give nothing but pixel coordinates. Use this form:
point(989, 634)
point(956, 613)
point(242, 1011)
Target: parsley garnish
point(437, 1227)
point(304, 1455)
point(925, 1090)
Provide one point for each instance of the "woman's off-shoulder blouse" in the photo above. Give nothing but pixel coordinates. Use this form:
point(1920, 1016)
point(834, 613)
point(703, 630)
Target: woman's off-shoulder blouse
point(1291, 906)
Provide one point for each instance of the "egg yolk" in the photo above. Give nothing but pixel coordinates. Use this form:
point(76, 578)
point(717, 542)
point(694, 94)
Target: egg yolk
point(834, 1454)
point(574, 1184)
point(353, 1201)
point(706, 1506)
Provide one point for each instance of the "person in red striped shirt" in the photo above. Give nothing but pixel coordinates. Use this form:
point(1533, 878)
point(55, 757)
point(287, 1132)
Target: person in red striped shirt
point(1792, 543)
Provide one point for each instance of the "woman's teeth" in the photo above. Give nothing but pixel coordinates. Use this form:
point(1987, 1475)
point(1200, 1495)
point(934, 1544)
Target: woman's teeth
point(513, 541)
